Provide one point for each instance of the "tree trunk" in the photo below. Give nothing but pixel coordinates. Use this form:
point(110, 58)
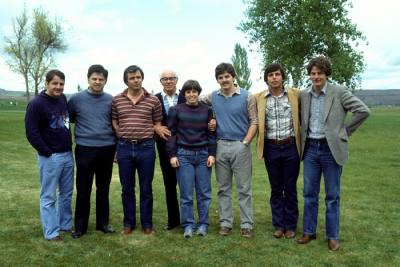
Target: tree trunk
point(26, 87)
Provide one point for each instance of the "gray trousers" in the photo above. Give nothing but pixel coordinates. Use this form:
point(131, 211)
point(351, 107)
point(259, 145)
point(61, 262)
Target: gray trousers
point(234, 159)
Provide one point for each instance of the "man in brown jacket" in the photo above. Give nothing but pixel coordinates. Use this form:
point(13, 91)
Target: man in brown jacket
point(278, 142)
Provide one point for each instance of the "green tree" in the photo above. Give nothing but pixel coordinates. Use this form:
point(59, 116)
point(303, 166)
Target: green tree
point(240, 63)
point(292, 32)
point(32, 46)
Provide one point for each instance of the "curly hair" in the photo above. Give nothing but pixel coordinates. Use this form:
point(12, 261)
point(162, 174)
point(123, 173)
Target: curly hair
point(321, 63)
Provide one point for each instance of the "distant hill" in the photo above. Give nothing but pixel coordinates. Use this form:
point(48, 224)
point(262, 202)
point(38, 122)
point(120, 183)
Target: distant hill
point(6, 93)
point(370, 97)
point(379, 97)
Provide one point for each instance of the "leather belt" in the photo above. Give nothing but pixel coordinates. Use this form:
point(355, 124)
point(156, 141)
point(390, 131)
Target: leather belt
point(134, 142)
point(290, 140)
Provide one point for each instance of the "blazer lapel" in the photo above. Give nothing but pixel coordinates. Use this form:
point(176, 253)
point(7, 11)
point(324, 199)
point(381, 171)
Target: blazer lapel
point(293, 104)
point(262, 107)
point(306, 105)
point(328, 101)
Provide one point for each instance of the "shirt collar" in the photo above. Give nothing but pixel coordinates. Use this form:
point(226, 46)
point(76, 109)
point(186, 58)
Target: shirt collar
point(323, 89)
point(267, 93)
point(237, 91)
point(125, 92)
point(163, 94)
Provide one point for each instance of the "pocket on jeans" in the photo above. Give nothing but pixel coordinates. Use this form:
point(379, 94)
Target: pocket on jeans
point(181, 151)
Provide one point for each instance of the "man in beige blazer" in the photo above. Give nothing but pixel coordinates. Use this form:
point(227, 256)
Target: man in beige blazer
point(278, 142)
point(324, 142)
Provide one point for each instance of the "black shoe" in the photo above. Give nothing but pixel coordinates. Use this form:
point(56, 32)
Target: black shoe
point(77, 234)
point(169, 226)
point(107, 229)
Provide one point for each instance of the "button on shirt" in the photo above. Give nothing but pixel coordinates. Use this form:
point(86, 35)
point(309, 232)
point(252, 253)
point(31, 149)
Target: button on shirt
point(169, 101)
point(278, 116)
point(317, 110)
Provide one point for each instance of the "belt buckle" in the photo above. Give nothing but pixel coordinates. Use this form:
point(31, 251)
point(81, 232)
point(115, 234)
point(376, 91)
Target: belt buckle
point(135, 142)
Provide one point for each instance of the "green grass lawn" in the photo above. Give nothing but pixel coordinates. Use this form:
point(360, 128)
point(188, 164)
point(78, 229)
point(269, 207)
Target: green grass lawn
point(370, 214)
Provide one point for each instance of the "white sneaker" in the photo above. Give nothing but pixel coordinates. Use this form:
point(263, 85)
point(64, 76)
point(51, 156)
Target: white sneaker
point(202, 231)
point(188, 232)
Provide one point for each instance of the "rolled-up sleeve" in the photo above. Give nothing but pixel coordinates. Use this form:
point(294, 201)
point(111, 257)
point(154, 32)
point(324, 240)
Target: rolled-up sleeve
point(252, 109)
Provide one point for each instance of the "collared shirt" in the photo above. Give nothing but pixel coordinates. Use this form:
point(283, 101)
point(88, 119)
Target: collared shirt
point(136, 121)
point(317, 110)
point(278, 119)
point(169, 101)
point(251, 104)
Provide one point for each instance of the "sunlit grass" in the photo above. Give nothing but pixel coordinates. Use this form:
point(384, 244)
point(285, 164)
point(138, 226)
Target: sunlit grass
point(370, 214)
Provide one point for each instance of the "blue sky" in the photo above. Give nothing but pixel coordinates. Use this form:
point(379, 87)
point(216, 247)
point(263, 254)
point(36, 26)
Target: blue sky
point(189, 36)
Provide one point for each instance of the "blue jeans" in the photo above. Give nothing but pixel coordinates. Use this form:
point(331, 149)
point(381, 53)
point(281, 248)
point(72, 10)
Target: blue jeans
point(140, 157)
point(318, 160)
point(56, 171)
point(283, 164)
point(193, 173)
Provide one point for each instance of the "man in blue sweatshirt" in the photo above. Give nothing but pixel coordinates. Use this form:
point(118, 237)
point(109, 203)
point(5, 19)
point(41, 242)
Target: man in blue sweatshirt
point(90, 110)
point(47, 130)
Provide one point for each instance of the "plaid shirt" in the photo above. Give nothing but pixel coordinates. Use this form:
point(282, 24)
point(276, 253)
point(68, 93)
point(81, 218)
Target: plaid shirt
point(278, 117)
point(316, 120)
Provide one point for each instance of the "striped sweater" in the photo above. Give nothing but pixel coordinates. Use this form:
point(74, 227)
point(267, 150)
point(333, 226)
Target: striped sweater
point(189, 129)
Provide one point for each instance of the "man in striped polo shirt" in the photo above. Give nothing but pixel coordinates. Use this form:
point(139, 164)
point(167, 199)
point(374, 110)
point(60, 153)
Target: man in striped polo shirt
point(136, 114)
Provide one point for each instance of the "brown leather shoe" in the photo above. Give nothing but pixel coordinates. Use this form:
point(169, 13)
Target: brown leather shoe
point(278, 233)
point(56, 239)
point(290, 234)
point(224, 231)
point(305, 239)
point(333, 244)
point(126, 231)
point(148, 231)
point(246, 232)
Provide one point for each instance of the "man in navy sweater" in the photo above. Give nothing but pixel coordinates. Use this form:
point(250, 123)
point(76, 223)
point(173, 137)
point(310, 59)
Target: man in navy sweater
point(90, 110)
point(47, 130)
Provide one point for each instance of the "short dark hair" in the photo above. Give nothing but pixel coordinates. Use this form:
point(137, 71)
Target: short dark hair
point(271, 68)
point(132, 69)
point(189, 85)
point(321, 63)
point(97, 69)
point(51, 73)
point(225, 67)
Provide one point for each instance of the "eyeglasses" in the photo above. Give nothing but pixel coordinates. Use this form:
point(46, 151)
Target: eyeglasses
point(164, 79)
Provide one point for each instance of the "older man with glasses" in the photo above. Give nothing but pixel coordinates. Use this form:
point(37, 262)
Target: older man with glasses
point(168, 97)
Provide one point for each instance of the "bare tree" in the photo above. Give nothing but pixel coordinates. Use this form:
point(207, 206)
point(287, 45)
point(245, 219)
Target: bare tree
point(19, 50)
point(32, 47)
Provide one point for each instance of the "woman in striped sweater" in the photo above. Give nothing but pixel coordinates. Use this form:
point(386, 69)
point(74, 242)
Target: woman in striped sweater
point(191, 149)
